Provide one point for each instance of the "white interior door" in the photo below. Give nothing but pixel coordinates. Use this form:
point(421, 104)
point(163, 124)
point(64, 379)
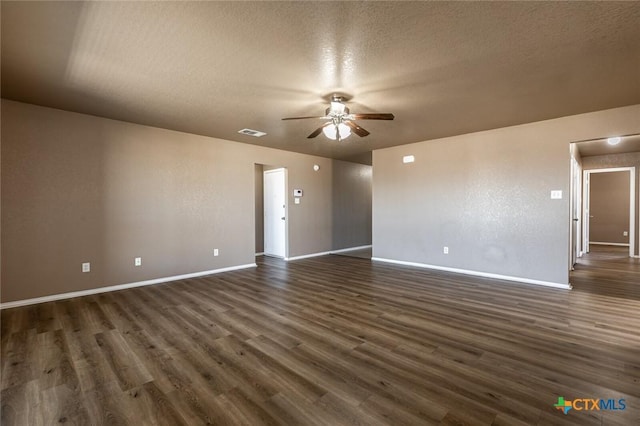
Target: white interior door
point(274, 213)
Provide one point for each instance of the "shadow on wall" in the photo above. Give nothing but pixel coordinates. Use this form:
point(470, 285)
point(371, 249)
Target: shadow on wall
point(78, 189)
point(352, 190)
point(72, 61)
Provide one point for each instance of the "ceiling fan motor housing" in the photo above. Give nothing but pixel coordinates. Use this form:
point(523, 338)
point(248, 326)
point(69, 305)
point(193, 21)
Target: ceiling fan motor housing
point(342, 121)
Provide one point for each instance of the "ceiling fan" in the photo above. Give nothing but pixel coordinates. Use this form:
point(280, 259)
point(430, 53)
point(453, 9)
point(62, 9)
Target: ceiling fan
point(340, 122)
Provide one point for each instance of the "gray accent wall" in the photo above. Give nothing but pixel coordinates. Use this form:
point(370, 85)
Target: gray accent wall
point(631, 159)
point(486, 196)
point(351, 205)
point(78, 188)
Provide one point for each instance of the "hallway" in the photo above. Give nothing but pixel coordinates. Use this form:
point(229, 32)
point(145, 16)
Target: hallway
point(609, 271)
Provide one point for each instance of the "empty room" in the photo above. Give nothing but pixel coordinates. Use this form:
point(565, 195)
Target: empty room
point(320, 213)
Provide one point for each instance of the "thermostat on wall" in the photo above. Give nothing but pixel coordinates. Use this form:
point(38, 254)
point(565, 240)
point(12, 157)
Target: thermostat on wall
point(297, 192)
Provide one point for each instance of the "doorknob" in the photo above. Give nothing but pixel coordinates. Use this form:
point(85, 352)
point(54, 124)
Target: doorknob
point(282, 218)
point(575, 220)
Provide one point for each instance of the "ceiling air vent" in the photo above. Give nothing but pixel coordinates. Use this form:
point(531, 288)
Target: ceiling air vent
point(254, 133)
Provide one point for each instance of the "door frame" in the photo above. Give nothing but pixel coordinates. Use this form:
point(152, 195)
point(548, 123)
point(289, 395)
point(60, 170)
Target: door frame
point(575, 201)
point(586, 186)
point(286, 209)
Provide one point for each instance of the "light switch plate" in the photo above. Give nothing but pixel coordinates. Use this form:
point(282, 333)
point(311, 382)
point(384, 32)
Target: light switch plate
point(556, 195)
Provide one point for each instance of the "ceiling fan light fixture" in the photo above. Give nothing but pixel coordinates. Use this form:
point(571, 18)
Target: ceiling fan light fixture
point(340, 122)
point(332, 131)
point(337, 108)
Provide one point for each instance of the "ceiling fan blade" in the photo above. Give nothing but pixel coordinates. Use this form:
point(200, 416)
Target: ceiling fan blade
point(356, 129)
point(302, 118)
point(317, 131)
point(374, 116)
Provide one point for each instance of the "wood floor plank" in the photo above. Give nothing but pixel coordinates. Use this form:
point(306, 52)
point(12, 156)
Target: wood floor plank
point(19, 362)
point(62, 404)
point(331, 340)
point(158, 408)
point(88, 360)
point(106, 405)
point(199, 407)
point(124, 364)
point(390, 412)
point(289, 410)
point(54, 361)
point(266, 371)
point(323, 375)
point(20, 404)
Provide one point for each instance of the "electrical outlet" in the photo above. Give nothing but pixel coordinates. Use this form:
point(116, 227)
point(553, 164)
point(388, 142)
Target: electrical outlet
point(625, 234)
point(137, 261)
point(86, 267)
point(445, 250)
point(216, 252)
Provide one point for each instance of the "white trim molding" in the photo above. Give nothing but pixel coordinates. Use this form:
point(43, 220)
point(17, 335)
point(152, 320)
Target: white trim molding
point(475, 273)
point(80, 293)
point(598, 243)
point(345, 250)
point(260, 254)
point(324, 253)
point(306, 256)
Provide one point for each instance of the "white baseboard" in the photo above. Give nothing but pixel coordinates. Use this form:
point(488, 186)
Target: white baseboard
point(260, 254)
point(597, 243)
point(305, 256)
point(475, 273)
point(324, 253)
point(61, 296)
point(350, 249)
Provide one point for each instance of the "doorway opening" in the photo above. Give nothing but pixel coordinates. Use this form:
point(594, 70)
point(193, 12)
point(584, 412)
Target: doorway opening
point(271, 211)
point(608, 209)
point(604, 206)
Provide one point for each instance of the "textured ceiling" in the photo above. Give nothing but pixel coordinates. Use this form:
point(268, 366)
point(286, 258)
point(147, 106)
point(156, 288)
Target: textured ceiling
point(213, 68)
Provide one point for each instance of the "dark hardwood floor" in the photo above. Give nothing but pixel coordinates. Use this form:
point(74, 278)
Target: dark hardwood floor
point(330, 341)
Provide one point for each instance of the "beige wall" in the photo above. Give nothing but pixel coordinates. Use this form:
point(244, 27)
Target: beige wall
point(609, 207)
point(619, 160)
point(486, 196)
point(79, 188)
